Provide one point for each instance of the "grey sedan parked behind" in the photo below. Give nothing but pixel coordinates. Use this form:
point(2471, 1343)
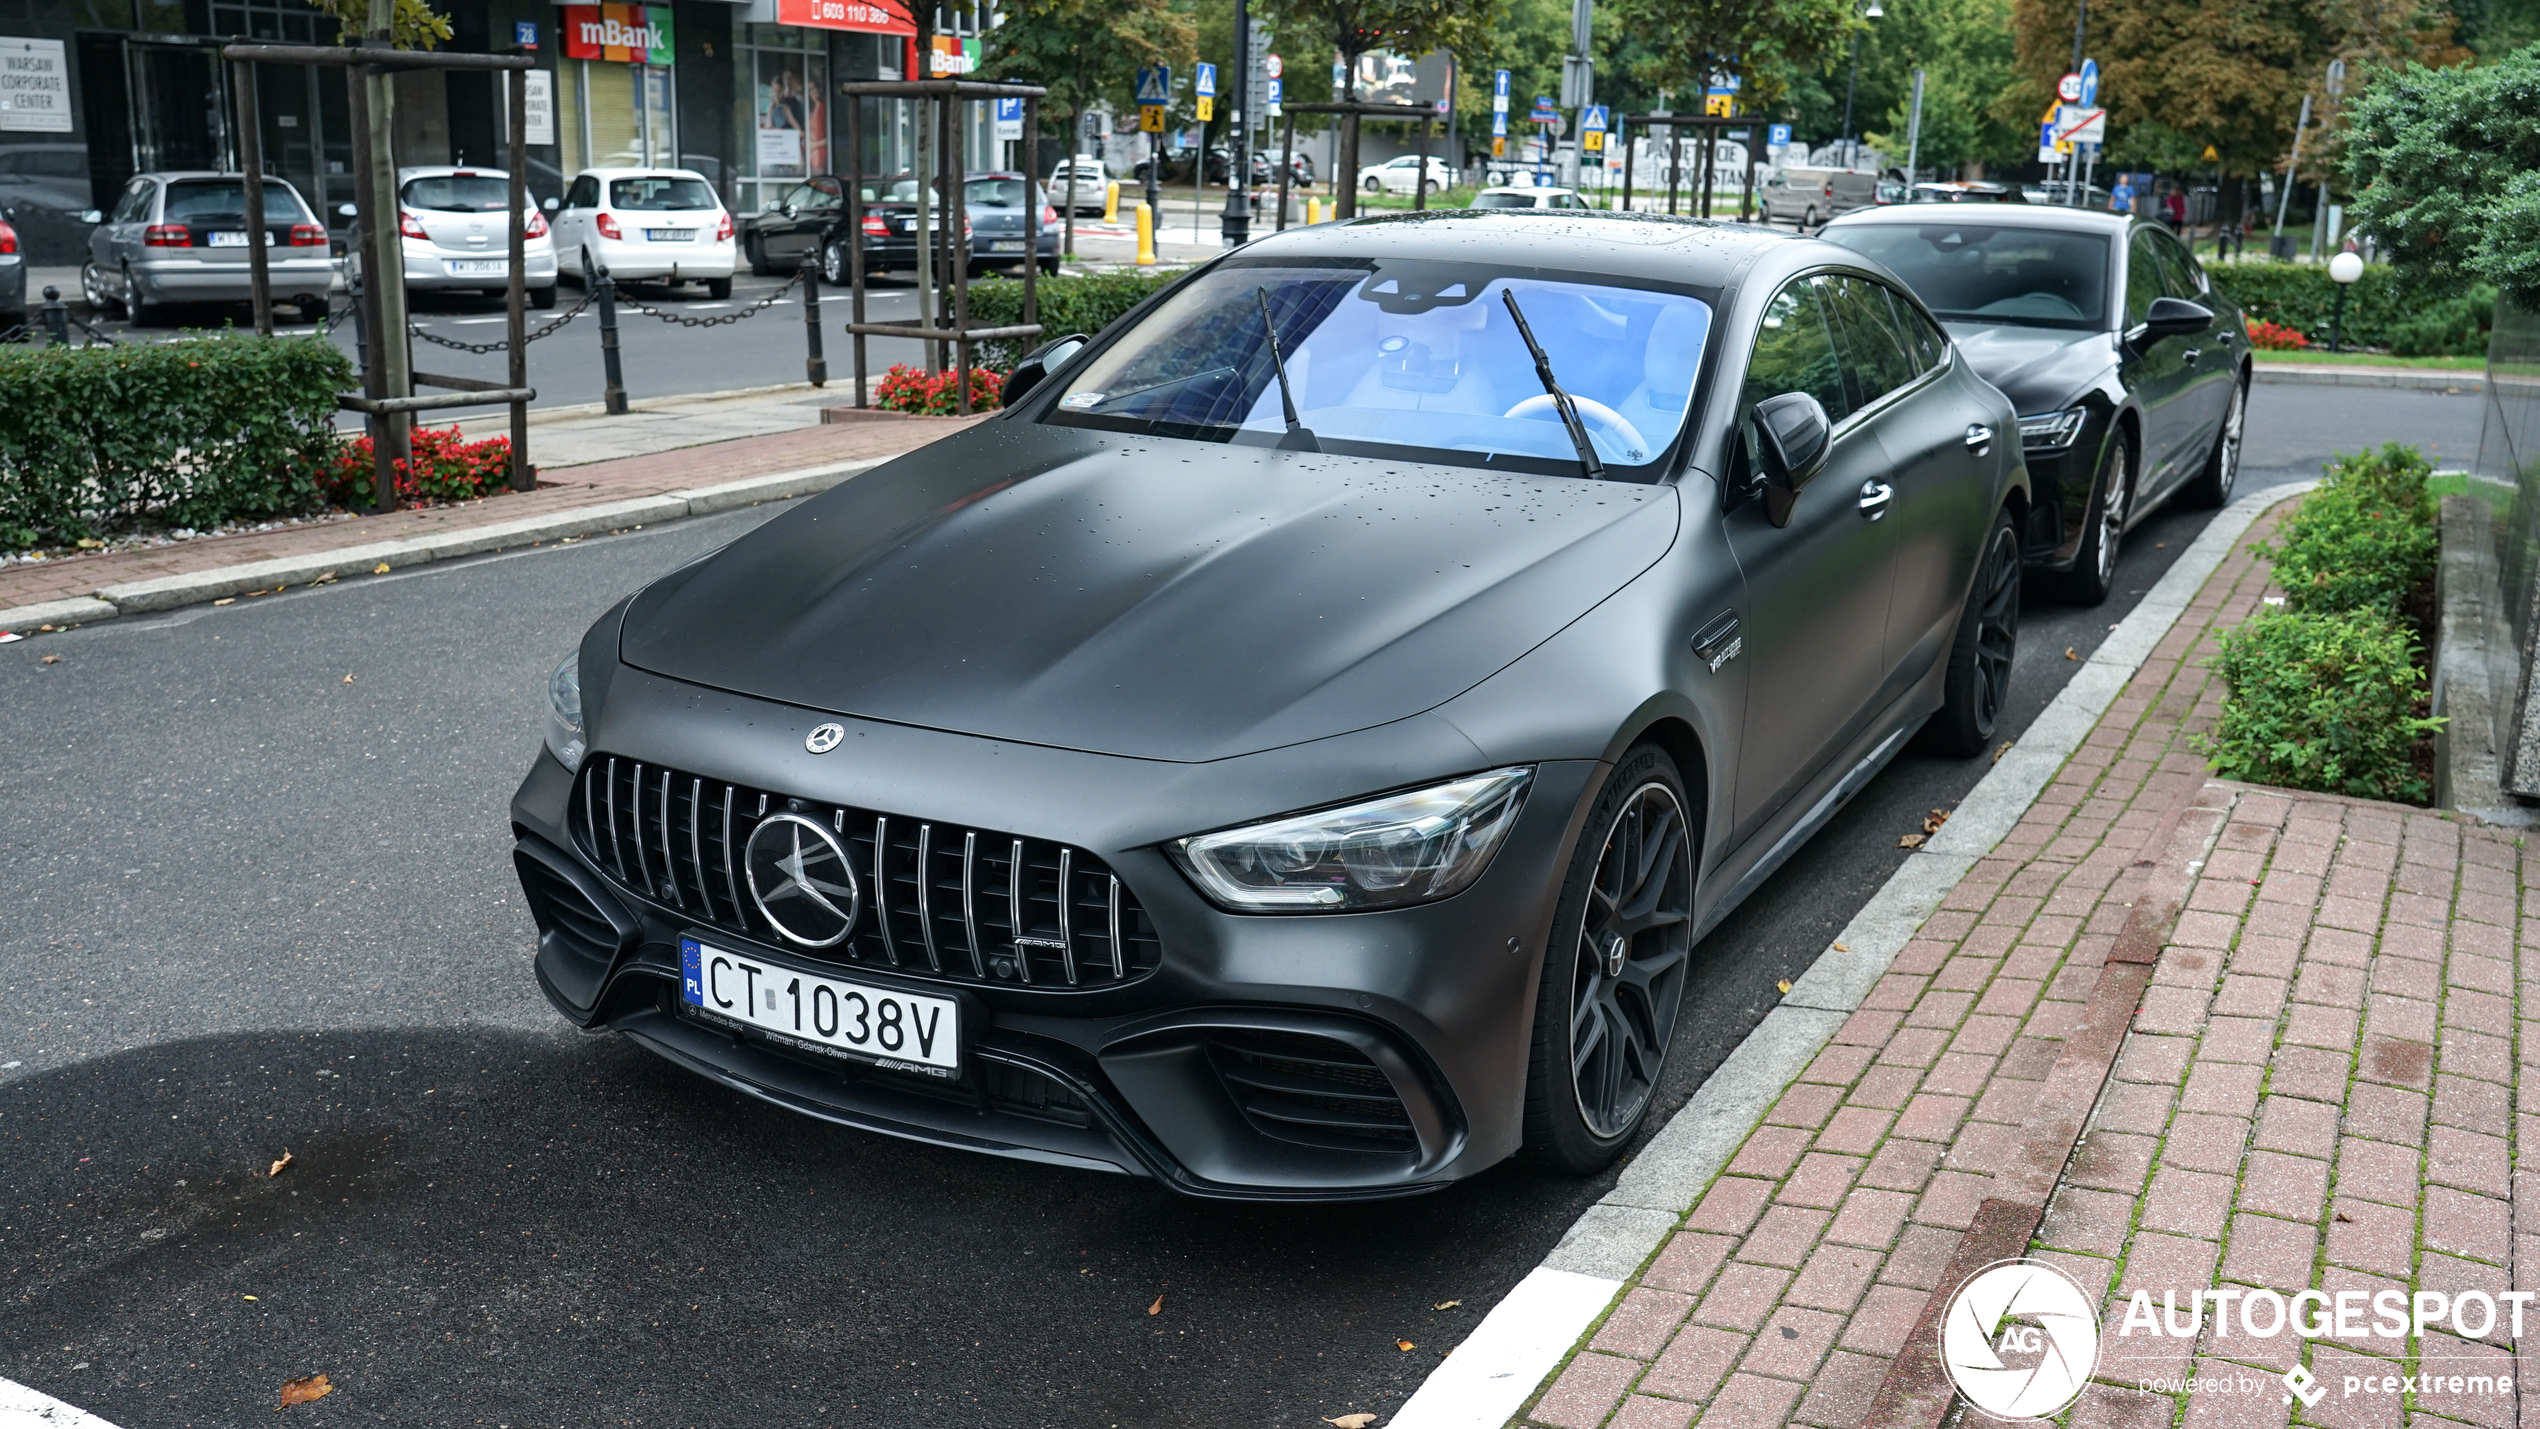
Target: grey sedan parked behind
point(12, 276)
point(182, 238)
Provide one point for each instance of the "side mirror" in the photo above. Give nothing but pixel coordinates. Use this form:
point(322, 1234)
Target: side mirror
point(2173, 317)
point(90, 215)
point(346, 210)
point(551, 205)
point(1049, 357)
point(786, 209)
point(1792, 436)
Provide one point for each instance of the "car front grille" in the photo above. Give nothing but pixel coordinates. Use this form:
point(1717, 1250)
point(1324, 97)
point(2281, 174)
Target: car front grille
point(940, 900)
point(1314, 1090)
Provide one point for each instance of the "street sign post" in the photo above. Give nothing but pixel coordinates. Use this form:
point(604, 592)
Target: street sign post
point(2068, 89)
point(1777, 136)
point(1009, 118)
point(1205, 86)
point(1278, 96)
point(2080, 124)
point(1545, 112)
point(2089, 77)
point(1155, 84)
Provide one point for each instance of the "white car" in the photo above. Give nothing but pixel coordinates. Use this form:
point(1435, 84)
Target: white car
point(1394, 176)
point(1081, 183)
point(457, 237)
point(656, 225)
point(1523, 196)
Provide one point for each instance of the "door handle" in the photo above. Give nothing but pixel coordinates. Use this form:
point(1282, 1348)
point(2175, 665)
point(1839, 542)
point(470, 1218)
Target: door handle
point(1979, 436)
point(2189, 357)
point(1874, 498)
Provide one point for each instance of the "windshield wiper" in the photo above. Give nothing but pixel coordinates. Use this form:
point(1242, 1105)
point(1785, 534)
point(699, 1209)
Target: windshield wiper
point(1588, 464)
point(1300, 438)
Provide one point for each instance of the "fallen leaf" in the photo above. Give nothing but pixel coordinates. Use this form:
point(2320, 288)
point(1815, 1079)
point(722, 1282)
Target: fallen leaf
point(1404, 1345)
point(1910, 841)
point(1446, 1304)
point(278, 1165)
point(301, 1391)
point(1158, 1307)
point(1842, 948)
point(226, 600)
point(324, 579)
point(52, 659)
point(1352, 1421)
point(1933, 821)
point(2005, 749)
point(2068, 653)
point(47, 627)
point(1784, 984)
point(2341, 1215)
point(348, 679)
point(380, 570)
point(246, 1297)
point(90, 543)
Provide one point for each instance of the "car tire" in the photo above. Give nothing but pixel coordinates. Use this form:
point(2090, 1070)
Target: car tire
point(1374, 185)
point(756, 252)
point(314, 310)
point(2094, 571)
point(833, 264)
point(1049, 266)
point(543, 297)
point(1616, 991)
point(100, 302)
point(1811, 220)
point(718, 289)
point(2212, 486)
point(138, 310)
point(1977, 684)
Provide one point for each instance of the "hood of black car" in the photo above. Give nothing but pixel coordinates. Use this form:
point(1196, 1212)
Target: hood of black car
point(2040, 369)
point(1154, 598)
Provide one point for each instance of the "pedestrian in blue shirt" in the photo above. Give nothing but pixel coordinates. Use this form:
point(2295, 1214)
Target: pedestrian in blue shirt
point(2121, 198)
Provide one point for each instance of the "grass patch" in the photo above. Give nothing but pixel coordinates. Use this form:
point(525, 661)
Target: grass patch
point(2311, 357)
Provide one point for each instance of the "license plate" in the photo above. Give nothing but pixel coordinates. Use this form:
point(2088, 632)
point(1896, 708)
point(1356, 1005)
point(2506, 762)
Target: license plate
point(902, 1031)
point(476, 267)
point(670, 235)
point(224, 240)
point(1005, 245)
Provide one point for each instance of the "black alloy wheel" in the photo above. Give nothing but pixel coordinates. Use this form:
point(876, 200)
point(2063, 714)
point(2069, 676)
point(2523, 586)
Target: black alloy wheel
point(833, 263)
point(2094, 571)
point(1978, 683)
point(1614, 976)
point(2212, 486)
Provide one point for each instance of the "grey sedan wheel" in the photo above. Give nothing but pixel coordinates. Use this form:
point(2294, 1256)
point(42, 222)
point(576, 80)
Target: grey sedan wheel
point(1614, 976)
point(1978, 681)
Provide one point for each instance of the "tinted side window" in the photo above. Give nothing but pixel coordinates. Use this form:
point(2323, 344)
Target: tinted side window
point(2144, 279)
point(1794, 351)
point(1875, 359)
point(135, 203)
point(2185, 279)
point(585, 194)
point(1930, 345)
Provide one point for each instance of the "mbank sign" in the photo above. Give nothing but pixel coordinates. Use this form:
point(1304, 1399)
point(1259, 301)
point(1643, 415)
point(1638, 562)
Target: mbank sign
point(630, 34)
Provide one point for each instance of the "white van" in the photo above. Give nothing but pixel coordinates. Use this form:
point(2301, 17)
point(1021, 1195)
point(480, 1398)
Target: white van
point(1811, 196)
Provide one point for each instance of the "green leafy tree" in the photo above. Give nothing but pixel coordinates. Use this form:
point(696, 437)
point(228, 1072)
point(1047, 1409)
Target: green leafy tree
point(2445, 168)
point(413, 24)
point(1085, 52)
point(1465, 28)
point(1964, 49)
point(1763, 42)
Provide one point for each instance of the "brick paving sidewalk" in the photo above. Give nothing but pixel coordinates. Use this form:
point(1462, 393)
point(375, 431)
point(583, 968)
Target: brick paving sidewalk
point(2340, 979)
point(560, 490)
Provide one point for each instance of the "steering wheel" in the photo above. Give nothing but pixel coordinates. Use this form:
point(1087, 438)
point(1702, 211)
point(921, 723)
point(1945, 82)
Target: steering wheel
point(1621, 435)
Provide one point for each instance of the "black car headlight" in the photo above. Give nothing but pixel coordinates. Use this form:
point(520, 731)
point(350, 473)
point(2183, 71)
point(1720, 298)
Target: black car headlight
point(1387, 852)
point(564, 712)
point(2052, 431)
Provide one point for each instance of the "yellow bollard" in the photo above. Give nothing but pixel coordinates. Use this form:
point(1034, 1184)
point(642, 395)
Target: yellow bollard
point(1146, 236)
point(1111, 202)
point(1313, 209)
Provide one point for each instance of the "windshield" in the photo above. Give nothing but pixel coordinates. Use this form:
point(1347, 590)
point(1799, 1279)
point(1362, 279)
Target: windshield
point(216, 200)
point(993, 193)
point(1403, 355)
point(459, 193)
point(1985, 274)
point(660, 191)
point(1497, 200)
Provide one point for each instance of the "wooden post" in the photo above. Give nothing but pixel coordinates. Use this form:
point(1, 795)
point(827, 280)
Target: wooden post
point(252, 160)
point(515, 318)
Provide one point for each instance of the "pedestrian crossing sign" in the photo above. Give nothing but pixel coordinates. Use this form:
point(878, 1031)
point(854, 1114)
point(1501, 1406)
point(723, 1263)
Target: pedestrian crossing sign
point(1155, 85)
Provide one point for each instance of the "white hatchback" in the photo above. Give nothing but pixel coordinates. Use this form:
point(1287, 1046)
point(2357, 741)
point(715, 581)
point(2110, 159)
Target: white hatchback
point(1395, 176)
point(658, 225)
point(457, 237)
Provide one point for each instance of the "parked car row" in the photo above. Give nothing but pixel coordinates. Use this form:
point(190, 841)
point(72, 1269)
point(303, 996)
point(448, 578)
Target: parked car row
point(811, 219)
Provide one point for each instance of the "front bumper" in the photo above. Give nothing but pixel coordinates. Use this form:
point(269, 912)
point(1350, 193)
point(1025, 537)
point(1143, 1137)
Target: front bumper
point(2059, 496)
point(1158, 1074)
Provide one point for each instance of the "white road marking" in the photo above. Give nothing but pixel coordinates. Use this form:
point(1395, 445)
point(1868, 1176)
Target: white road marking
point(24, 1408)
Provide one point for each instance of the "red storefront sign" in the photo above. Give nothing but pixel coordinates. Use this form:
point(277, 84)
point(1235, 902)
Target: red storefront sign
point(876, 17)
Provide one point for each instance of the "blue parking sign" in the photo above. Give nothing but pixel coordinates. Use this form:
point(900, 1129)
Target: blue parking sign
point(1778, 136)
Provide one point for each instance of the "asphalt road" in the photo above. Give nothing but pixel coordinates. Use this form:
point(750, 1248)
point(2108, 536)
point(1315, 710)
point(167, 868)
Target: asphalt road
point(260, 899)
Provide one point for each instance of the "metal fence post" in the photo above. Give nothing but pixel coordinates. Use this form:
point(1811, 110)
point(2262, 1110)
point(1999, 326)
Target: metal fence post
point(605, 288)
point(57, 316)
point(815, 362)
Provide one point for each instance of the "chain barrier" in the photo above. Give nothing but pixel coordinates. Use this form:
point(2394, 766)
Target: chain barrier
point(719, 319)
point(96, 334)
point(503, 344)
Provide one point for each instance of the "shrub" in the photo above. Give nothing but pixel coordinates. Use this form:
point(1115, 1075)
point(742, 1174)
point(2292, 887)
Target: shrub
point(2382, 311)
point(444, 466)
point(2273, 337)
point(2365, 540)
point(2325, 701)
point(1067, 304)
point(195, 432)
point(935, 394)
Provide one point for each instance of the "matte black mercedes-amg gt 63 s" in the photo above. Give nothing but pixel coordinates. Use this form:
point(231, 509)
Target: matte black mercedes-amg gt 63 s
point(1292, 750)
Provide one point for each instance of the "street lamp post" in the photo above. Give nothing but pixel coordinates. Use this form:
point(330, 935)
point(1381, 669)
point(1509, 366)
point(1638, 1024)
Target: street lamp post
point(1851, 145)
point(2345, 268)
point(1235, 228)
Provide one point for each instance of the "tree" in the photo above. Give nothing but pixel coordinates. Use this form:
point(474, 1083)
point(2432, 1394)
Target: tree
point(414, 25)
point(1964, 49)
point(1766, 44)
point(1084, 52)
point(1467, 28)
point(2445, 169)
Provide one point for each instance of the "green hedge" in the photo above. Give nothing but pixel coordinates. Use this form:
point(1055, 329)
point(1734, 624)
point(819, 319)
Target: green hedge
point(2328, 693)
point(2381, 312)
point(1068, 304)
point(193, 432)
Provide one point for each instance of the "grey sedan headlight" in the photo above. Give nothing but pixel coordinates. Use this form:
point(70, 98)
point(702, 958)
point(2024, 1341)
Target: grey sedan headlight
point(564, 712)
point(1402, 848)
point(2049, 431)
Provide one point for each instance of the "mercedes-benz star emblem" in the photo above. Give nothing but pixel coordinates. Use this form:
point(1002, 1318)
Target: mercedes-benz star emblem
point(801, 880)
point(824, 738)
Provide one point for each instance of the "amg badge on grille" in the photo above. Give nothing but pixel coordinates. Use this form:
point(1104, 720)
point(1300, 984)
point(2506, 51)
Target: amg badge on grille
point(824, 738)
point(801, 880)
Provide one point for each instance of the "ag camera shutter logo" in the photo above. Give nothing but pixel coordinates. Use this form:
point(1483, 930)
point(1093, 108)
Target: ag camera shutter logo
point(2020, 1339)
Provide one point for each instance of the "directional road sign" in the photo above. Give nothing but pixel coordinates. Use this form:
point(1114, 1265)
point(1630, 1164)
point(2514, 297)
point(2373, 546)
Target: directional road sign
point(1155, 85)
point(2089, 95)
point(1499, 91)
point(1545, 111)
point(2081, 124)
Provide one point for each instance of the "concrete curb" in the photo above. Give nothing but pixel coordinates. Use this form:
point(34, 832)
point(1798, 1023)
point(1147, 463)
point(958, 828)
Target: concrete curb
point(1616, 1236)
point(192, 587)
point(2437, 379)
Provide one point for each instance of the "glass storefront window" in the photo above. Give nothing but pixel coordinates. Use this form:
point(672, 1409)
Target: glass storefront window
point(783, 123)
point(612, 115)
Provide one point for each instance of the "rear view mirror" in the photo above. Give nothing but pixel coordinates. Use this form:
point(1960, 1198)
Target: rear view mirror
point(90, 215)
point(346, 210)
point(1044, 360)
point(551, 205)
point(1791, 439)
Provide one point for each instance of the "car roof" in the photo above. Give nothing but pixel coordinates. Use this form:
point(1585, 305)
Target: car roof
point(1695, 252)
point(434, 171)
point(2071, 220)
point(662, 172)
point(1528, 189)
